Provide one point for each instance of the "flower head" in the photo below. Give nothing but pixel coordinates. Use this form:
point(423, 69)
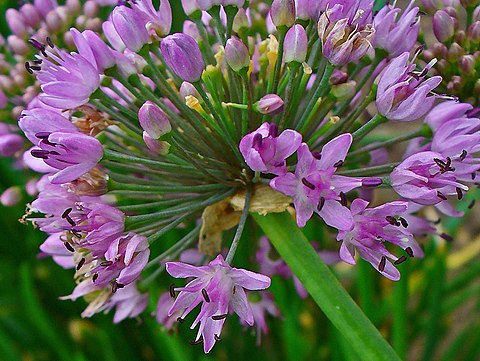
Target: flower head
point(220, 289)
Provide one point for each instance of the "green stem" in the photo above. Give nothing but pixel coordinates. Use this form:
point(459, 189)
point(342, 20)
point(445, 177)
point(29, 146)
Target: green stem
point(369, 171)
point(369, 126)
point(365, 340)
point(282, 31)
point(387, 143)
point(319, 91)
point(400, 313)
point(241, 225)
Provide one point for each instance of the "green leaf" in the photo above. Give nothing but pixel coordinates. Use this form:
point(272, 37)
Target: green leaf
point(364, 339)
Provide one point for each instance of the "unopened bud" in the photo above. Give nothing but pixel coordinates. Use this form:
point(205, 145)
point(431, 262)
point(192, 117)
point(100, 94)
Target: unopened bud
point(301, 9)
point(474, 32)
point(236, 54)
point(11, 196)
point(54, 21)
point(153, 120)
point(344, 91)
point(240, 21)
point(90, 9)
point(130, 26)
point(237, 3)
point(156, 146)
point(30, 14)
point(372, 182)
point(187, 89)
point(455, 52)
point(269, 104)
point(191, 29)
point(296, 45)
point(10, 144)
point(18, 45)
point(190, 6)
point(443, 26)
point(467, 64)
point(182, 54)
point(16, 22)
point(440, 50)
point(283, 13)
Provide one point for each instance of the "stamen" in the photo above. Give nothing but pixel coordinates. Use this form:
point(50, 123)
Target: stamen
point(40, 153)
point(66, 212)
point(339, 164)
point(409, 251)
point(234, 290)
point(180, 320)
point(80, 264)
point(441, 195)
point(321, 204)
point(219, 317)
point(216, 337)
point(76, 233)
point(114, 287)
point(36, 44)
point(197, 342)
point(403, 221)
point(106, 263)
point(69, 246)
point(49, 42)
point(95, 276)
point(257, 140)
point(27, 66)
point(382, 264)
point(317, 155)
point(472, 203)
point(343, 199)
point(400, 260)
point(205, 295)
point(172, 290)
point(392, 220)
point(463, 155)
point(459, 193)
point(307, 184)
point(446, 237)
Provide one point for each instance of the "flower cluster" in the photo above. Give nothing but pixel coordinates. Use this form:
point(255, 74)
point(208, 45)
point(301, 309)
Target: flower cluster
point(141, 134)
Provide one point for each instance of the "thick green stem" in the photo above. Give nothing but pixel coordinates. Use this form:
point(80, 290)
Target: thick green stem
point(241, 225)
point(369, 126)
point(282, 31)
point(365, 340)
point(400, 313)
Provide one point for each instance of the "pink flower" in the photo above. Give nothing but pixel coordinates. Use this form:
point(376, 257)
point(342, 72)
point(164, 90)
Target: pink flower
point(220, 289)
point(72, 153)
point(403, 95)
point(426, 178)
point(372, 228)
point(266, 151)
point(314, 186)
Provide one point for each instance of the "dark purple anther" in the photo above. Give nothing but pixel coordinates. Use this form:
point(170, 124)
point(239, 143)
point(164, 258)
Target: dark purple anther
point(372, 182)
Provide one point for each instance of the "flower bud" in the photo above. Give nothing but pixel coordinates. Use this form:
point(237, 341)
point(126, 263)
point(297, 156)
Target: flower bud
point(345, 90)
point(90, 9)
point(16, 22)
point(467, 64)
point(301, 9)
point(10, 144)
point(283, 13)
point(112, 36)
point(190, 6)
point(236, 54)
point(11, 196)
point(371, 182)
point(54, 21)
point(130, 26)
point(296, 44)
point(153, 120)
point(432, 5)
point(156, 146)
point(30, 14)
point(440, 50)
point(240, 21)
point(237, 3)
point(45, 6)
point(73, 6)
point(182, 54)
point(18, 45)
point(476, 13)
point(455, 52)
point(187, 89)
point(191, 29)
point(443, 26)
point(474, 32)
point(269, 104)
point(208, 4)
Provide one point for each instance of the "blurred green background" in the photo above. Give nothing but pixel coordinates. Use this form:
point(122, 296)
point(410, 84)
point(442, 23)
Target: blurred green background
point(433, 313)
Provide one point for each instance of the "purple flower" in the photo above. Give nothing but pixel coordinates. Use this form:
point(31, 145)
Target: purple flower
point(396, 36)
point(124, 261)
point(220, 289)
point(11, 196)
point(269, 104)
point(153, 120)
point(236, 54)
point(38, 121)
point(403, 95)
point(165, 302)
point(10, 144)
point(372, 228)
point(345, 31)
point(283, 13)
point(266, 151)
point(445, 111)
point(130, 25)
point(128, 303)
point(182, 54)
point(296, 44)
point(315, 188)
point(158, 21)
point(93, 48)
point(73, 154)
point(426, 178)
point(54, 246)
point(67, 80)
